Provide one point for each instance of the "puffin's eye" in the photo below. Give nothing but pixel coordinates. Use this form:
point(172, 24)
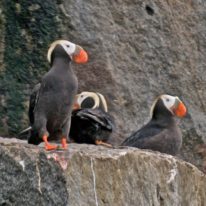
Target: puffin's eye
point(68, 46)
point(167, 100)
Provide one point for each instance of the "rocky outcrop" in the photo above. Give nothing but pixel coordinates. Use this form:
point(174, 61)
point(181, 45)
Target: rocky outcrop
point(91, 175)
point(137, 50)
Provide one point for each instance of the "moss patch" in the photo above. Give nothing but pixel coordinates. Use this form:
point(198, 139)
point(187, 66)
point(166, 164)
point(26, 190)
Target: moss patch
point(30, 26)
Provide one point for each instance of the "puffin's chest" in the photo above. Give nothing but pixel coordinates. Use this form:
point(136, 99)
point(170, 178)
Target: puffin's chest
point(173, 141)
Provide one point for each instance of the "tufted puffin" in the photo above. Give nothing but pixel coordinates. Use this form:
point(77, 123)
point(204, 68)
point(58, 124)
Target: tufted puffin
point(90, 122)
point(51, 101)
point(161, 133)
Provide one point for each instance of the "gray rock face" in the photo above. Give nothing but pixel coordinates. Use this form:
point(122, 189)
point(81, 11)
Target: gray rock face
point(1, 38)
point(90, 175)
point(137, 50)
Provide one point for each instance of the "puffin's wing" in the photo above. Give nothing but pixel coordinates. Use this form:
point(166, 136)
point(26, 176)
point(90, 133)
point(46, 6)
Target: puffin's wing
point(144, 135)
point(97, 116)
point(156, 142)
point(33, 100)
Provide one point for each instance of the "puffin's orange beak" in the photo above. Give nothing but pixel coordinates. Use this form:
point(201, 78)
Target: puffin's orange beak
point(76, 106)
point(81, 57)
point(180, 110)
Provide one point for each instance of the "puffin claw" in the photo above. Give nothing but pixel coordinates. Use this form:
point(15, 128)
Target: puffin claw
point(64, 143)
point(99, 142)
point(47, 145)
point(50, 147)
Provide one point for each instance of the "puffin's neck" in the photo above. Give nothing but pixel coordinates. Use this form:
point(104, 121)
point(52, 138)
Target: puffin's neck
point(62, 63)
point(163, 120)
point(162, 114)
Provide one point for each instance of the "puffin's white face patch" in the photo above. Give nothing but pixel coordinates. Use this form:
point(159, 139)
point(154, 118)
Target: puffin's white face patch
point(169, 101)
point(68, 46)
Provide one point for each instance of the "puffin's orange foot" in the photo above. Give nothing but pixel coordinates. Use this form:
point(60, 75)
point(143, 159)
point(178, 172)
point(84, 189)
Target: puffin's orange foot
point(99, 142)
point(64, 143)
point(50, 147)
point(47, 145)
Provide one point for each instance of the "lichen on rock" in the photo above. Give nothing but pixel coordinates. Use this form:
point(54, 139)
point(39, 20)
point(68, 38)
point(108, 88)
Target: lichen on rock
point(28, 31)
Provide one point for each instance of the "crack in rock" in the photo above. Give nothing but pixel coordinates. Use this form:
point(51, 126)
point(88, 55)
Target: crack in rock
point(94, 182)
point(22, 164)
point(39, 177)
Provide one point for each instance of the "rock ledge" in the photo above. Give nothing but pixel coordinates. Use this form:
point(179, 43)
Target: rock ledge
point(89, 175)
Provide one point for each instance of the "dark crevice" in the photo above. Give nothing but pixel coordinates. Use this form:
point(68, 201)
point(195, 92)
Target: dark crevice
point(149, 10)
point(159, 197)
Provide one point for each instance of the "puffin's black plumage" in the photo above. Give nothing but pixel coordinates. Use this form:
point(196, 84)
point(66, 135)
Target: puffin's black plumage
point(51, 101)
point(28, 133)
point(32, 102)
point(161, 133)
point(90, 125)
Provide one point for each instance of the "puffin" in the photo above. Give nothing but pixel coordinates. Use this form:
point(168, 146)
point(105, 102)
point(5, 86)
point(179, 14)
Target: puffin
point(52, 100)
point(161, 133)
point(90, 121)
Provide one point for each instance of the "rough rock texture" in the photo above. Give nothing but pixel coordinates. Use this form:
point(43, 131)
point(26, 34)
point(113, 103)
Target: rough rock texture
point(2, 29)
point(137, 49)
point(28, 177)
point(90, 175)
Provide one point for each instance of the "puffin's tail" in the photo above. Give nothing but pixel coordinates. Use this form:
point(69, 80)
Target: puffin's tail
point(34, 138)
point(31, 135)
point(25, 133)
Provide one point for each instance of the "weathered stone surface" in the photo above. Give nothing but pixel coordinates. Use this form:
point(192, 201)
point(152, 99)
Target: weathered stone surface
point(137, 49)
point(28, 177)
point(90, 175)
point(136, 54)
